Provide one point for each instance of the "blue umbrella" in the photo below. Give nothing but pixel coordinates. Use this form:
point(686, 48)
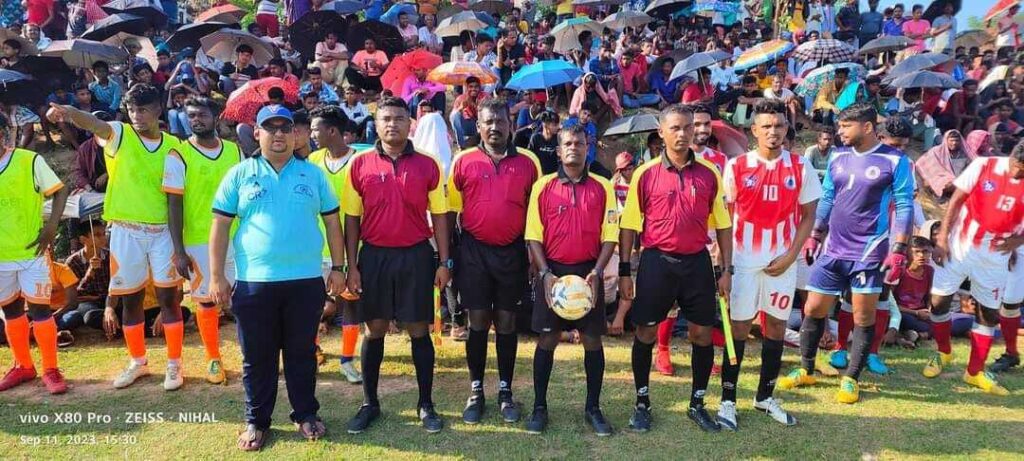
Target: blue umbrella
point(391, 16)
point(345, 7)
point(543, 75)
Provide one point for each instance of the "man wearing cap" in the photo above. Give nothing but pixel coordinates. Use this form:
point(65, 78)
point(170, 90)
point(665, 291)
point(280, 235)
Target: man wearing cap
point(279, 200)
point(488, 189)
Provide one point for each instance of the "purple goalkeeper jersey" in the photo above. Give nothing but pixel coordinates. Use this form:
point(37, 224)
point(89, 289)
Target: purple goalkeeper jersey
point(858, 192)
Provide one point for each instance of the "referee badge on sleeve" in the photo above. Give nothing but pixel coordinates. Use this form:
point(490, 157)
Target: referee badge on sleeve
point(612, 217)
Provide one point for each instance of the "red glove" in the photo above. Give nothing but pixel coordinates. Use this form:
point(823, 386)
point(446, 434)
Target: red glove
point(811, 249)
point(893, 267)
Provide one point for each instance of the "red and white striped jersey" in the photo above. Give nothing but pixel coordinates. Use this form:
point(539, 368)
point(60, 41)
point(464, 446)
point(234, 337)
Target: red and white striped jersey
point(993, 210)
point(715, 157)
point(766, 197)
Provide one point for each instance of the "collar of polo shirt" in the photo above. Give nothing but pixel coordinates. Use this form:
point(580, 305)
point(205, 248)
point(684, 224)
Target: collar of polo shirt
point(407, 150)
point(295, 155)
point(510, 149)
point(665, 162)
point(564, 178)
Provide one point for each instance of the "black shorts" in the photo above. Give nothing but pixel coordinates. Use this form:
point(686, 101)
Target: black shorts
point(490, 277)
point(546, 320)
point(664, 279)
point(398, 283)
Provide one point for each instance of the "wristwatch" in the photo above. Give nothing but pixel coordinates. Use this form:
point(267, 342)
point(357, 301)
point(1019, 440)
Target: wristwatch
point(544, 273)
point(339, 269)
point(448, 264)
point(730, 269)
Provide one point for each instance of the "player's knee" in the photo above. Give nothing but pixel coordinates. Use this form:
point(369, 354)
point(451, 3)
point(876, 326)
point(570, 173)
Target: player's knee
point(505, 323)
point(549, 341)
point(38, 312)
point(417, 329)
point(592, 343)
point(741, 328)
point(15, 309)
point(988, 317)
point(940, 305)
point(700, 335)
point(376, 329)
point(1010, 311)
point(646, 334)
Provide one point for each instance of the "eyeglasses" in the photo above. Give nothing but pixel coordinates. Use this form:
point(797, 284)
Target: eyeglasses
point(282, 129)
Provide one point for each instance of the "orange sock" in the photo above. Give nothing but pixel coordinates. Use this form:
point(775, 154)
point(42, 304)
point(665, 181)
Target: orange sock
point(174, 334)
point(349, 337)
point(46, 338)
point(18, 338)
point(207, 318)
point(135, 339)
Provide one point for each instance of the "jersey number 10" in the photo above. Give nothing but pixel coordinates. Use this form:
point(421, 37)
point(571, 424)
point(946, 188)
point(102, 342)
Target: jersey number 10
point(770, 193)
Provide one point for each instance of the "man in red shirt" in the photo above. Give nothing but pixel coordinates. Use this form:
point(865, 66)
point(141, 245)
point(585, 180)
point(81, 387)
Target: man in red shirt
point(672, 202)
point(488, 189)
point(464, 111)
point(634, 82)
point(390, 190)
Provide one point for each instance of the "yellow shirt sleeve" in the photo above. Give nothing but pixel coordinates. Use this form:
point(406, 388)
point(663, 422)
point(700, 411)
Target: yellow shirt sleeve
point(610, 225)
point(534, 226)
point(351, 201)
point(454, 194)
point(632, 218)
point(719, 218)
point(437, 202)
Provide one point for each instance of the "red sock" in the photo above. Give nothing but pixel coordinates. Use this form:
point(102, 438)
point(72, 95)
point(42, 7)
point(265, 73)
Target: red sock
point(942, 329)
point(665, 333)
point(1009, 326)
point(881, 325)
point(845, 327)
point(718, 338)
point(981, 342)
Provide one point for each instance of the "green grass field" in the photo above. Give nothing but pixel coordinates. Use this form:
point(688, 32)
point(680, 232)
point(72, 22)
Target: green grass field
point(901, 416)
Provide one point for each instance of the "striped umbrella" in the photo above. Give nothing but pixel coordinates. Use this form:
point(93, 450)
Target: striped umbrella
point(826, 48)
point(717, 6)
point(814, 80)
point(456, 73)
point(761, 53)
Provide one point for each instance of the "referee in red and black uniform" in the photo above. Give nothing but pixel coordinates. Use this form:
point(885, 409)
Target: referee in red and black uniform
point(390, 190)
point(488, 188)
point(571, 228)
point(672, 201)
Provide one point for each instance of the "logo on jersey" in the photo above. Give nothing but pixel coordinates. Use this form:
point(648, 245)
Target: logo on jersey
point(750, 182)
point(303, 189)
point(790, 182)
point(988, 185)
point(872, 172)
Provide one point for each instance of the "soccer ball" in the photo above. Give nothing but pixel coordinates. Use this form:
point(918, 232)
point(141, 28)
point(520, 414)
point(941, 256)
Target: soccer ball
point(571, 297)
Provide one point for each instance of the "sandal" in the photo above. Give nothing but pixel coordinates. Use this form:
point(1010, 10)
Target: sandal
point(312, 428)
point(252, 438)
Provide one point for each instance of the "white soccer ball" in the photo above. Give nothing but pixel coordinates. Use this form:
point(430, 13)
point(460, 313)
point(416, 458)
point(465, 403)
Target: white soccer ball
point(571, 297)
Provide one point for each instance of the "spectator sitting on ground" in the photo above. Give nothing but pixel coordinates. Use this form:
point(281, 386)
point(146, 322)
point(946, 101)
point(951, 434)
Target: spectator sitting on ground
point(913, 292)
point(90, 266)
point(464, 112)
point(820, 153)
point(368, 65)
point(317, 84)
point(332, 58)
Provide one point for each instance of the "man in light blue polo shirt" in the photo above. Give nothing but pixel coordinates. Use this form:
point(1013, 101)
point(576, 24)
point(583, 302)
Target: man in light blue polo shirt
point(278, 200)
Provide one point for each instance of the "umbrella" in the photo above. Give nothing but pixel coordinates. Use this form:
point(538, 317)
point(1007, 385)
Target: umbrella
point(916, 63)
point(115, 24)
point(697, 61)
point(222, 44)
point(598, 2)
point(624, 19)
point(639, 123)
point(666, 8)
point(456, 73)
point(189, 34)
point(151, 10)
point(731, 141)
point(346, 7)
point(934, 10)
point(460, 22)
point(81, 53)
point(886, 43)
point(925, 79)
point(248, 99)
point(998, 73)
point(8, 77)
point(761, 53)
point(973, 38)
point(313, 26)
point(814, 80)
point(544, 74)
point(826, 48)
point(491, 6)
point(49, 72)
point(147, 51)
point(81, 205)
point(449, 11)
point(999, 8)
point(230, 14)
point(391, 15)
point(385, 35)
point(19, 88)
point(567, 33)
point(27, 47)
point(403, 65)
point(717, 6)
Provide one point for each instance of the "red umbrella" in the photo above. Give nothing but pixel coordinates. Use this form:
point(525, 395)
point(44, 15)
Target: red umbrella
point(999, 8)
point(247, 100)
point(224, 13)
point(403, 65)
point(731, 142)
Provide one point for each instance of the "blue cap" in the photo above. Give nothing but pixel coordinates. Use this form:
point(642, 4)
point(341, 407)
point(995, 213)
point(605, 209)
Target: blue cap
point(271, 112)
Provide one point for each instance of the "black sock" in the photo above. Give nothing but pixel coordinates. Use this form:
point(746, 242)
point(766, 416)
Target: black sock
point(771, 363)
point(423, 360)
point(593, 363)
point(731, 373)
point(810, 334)
point(372, 356)
point(506, 347)
point(476, 359)
point(859, 347)
point(642, 371)
point(701, 360)
point(543, 360)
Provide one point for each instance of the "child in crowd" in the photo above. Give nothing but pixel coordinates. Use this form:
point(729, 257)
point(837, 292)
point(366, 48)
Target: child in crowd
point(91, 267)
point(63, 298)
point(913, 292)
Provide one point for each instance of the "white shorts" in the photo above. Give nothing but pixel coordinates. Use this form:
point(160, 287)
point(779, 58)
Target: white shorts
point(753, 290)
point(138, 252)
point(29, 279)
point(803, 273)
point(199, 286)
point(987, 270)
point(1015, 284)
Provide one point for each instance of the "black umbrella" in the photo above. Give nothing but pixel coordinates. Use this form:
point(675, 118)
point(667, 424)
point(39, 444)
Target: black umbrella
point(491, 6)
point(925, 79)
point(697, 61)
point(115, 24)
point(312, 27)
point(935, 9)
point(344, 7)
point(886, 43)
point(664, 9)
point(18, 88)
point(639, 123)
point(385, 35)
point(189, 35)
point(50, 72)
point(149, 9)
point(915, 63)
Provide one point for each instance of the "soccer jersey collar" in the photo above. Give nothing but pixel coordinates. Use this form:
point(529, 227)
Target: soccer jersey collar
point(564, 178)
point(665, 162)
point(409, 149)
point(869, 151)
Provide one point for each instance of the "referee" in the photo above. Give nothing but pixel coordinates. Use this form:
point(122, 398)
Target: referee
point(390, 190)
point(489, 188)
point(279, 200)
point(672, 200)
point(571, 229)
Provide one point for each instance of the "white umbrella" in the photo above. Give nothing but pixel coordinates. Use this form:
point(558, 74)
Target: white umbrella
point(148, 51)
point(83, 53)
point(222, 44)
